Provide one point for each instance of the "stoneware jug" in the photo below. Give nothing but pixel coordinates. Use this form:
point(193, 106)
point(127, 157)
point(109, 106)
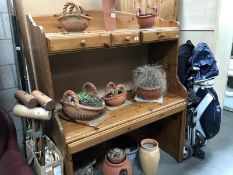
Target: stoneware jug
point(149, 155)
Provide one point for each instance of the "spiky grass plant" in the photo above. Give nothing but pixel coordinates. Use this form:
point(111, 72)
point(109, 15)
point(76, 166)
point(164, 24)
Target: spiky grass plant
point(150, 76)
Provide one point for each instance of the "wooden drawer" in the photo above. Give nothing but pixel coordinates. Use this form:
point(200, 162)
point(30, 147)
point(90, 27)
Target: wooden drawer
point(125, 37)
point(58, 42)
point(149, 35)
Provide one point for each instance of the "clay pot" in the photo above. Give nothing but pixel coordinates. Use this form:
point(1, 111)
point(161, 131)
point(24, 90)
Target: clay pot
point(123, 168)
point(146, 20)
point(149, 155)
point(149, 93)
point(118, 98)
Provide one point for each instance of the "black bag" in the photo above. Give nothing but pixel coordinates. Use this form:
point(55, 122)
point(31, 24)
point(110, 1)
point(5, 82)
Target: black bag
point(185, 51)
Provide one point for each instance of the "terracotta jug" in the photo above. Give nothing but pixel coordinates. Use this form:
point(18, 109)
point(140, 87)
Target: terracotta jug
point(117, 163)
point(109, 10)
point(149, 155)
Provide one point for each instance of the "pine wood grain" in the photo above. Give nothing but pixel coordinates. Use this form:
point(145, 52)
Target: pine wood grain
point(40, 57)
point(167, 9)
point(74, 132)
point(71, 41)
point(124, 37)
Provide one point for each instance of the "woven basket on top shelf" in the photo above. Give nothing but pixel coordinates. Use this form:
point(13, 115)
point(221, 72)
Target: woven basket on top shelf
point(73, 21)
point(75, 111)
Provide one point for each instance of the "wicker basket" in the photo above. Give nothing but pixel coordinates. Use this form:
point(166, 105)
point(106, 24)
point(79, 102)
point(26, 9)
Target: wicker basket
point(149, 93)
point(73, 21)
point(116, 99)
point(76, 111)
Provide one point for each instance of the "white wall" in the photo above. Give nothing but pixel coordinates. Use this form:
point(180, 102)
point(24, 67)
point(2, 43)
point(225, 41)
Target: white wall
point(209, 21)
point(198, 21)
point(223, 44)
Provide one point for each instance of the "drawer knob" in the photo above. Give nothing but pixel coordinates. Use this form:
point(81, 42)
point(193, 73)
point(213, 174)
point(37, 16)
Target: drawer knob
point(162, 35)
point(83, 43)
point(127, 38)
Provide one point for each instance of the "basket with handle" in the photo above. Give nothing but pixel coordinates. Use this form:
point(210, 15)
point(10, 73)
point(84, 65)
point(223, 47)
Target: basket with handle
point(117, 98)
point(74, 110)
point(73, 18)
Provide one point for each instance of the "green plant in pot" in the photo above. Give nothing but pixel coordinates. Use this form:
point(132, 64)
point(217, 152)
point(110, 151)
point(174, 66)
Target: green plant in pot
point(85, 105)
point(149, 81)
point(146, 20)
point(88, 100)
point(116, 155)
point(115, 95)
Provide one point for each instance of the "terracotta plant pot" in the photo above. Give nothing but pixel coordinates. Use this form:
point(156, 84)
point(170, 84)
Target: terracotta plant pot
point(149, 155)
point(116, 99)
point(146, 20)
point(148, 93)
point(122, 168)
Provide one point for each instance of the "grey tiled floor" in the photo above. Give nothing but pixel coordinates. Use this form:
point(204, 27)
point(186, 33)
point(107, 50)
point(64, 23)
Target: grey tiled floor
point(219, 155)
point(218, 161)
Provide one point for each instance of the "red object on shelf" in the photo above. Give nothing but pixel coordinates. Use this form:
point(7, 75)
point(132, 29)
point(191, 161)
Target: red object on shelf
point(109, 9)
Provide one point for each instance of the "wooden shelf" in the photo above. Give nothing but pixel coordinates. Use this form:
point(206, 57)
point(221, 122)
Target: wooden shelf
point(57, 69)
point(79, 137)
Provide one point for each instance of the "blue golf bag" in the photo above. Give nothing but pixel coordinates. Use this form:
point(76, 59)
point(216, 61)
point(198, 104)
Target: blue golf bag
point(204, 111)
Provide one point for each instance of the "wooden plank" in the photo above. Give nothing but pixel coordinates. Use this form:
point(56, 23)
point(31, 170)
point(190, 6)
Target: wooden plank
point(171, 136)
point(143, 6)
point(123, 37)
point(126, 20)
point(129, 21)
point(167, 9)
point(68, 159)
point(150, 5)
point(51, 24)
point(157, 34)
point(125, 127)
point(25, 43)
point(72, 41)
point(54, 130)
point(130, 6)
point(123, 115)
point(40, 57)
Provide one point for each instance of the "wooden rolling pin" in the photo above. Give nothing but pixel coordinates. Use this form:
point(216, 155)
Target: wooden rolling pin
point(27, 99)
point(35, 113)
point(45, 101)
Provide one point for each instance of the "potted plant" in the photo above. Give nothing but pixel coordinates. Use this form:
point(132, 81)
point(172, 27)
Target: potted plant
point(146, 20)
point(149, 81)
point(85, 105)
point(115, 95)
point(116, 163)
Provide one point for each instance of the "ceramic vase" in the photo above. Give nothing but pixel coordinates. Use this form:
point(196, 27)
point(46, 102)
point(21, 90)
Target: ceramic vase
point(149, 155)
point(122, 168)
point(109, 10)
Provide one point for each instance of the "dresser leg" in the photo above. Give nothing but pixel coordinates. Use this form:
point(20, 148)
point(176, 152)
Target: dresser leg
point(69, 165)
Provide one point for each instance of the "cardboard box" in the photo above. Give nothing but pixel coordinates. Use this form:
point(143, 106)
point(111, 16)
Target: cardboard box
point(54, 168)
